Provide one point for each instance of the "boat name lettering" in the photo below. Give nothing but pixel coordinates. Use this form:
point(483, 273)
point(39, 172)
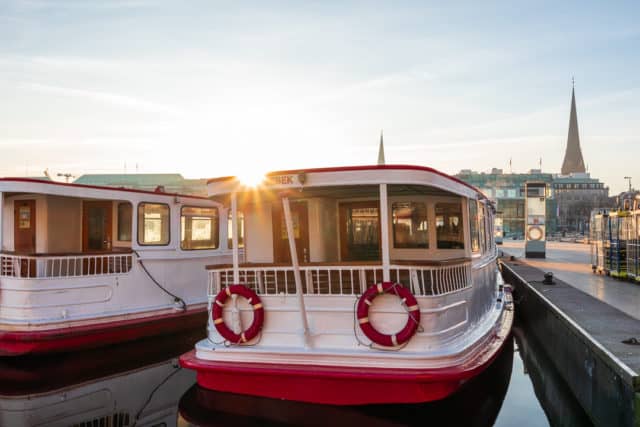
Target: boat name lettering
point(282, 179)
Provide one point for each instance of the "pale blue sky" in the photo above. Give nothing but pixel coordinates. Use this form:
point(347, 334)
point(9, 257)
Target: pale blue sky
point(210, 88)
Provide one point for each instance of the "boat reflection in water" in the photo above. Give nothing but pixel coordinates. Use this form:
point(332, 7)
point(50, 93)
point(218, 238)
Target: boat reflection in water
point(559, 404)
point(477, 403)
point(134, 384)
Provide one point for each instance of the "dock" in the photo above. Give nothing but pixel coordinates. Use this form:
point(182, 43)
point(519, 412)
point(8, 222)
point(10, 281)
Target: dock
point(582, 320)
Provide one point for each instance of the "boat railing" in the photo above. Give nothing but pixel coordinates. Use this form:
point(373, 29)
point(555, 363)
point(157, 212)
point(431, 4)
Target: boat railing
point(344, 279)
point(69, 265)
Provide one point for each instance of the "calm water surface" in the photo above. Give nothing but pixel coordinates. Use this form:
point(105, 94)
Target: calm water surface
point(140, 384)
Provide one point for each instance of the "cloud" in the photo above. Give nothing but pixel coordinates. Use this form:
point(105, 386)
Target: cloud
point(85, 4)
point(119, 100)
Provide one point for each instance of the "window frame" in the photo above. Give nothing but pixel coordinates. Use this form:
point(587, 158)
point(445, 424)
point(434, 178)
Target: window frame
point(427, 208)
point(217, 234)
point(460, 203)
point(139, 228)
point(118, 239)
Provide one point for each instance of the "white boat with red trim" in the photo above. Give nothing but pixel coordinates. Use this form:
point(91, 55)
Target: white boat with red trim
point(357, 285)
point(84, 266)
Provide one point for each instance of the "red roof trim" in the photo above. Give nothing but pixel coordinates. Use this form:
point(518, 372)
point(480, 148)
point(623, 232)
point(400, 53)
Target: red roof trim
point(98, 187)
point(361, 168)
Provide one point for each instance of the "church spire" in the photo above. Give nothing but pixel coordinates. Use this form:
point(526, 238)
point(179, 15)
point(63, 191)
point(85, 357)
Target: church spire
point(573, 161)
point(381, 151)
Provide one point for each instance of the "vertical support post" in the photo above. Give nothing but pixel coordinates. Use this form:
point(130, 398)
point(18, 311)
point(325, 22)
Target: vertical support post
point(234, 237)
point(296, 269)
point(1, 218)
point(384, 231)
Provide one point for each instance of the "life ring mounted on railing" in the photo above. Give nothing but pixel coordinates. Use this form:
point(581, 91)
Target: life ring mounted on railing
point(408, 300)
point(258, 314)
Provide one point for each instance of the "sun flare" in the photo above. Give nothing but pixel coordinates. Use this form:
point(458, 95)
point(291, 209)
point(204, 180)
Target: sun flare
point(252, 177)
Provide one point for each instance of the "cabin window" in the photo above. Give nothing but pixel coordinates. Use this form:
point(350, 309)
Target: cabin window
point(124, 221)
point(153, 224)
point(473, 225)
point(410, 225)
point(482, 228)
point(198, 228)
point(449, 230)
point(240, 231)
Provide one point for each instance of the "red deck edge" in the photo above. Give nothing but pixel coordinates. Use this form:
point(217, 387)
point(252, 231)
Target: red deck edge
point(342, 385)
point(17, 343)
point(100, 187)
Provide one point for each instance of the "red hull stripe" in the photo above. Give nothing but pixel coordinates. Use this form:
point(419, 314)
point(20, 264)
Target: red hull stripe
point(338, 385)
point(96, 335)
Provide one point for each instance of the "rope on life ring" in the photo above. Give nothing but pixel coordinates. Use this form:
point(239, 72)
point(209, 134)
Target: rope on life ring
point(408, 300)
point(258, 314)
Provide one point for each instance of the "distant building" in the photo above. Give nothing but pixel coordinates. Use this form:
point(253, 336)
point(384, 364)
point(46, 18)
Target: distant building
point(507, 191)
point(577, 194)
point(165, 182)
point(572, 195)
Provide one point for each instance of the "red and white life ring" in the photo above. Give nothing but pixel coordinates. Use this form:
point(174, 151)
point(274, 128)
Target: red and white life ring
point(408, 300)
point(258, 314)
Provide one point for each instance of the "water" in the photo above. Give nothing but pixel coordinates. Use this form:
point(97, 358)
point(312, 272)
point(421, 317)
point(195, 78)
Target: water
point(141, 384)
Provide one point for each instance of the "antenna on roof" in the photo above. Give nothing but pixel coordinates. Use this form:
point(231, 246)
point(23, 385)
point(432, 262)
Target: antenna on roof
point(381, 150)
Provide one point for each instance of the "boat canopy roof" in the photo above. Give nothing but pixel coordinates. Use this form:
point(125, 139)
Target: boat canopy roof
point(29, 185)
point(341, 181)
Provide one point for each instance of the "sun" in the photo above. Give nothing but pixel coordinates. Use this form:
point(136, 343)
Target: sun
point(251, 177)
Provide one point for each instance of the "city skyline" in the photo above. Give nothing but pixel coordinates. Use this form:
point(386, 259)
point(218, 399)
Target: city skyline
point(207, 90)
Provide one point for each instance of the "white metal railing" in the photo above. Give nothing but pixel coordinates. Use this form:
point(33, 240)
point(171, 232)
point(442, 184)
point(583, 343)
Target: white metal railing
point(44, 267)
point(344, 279)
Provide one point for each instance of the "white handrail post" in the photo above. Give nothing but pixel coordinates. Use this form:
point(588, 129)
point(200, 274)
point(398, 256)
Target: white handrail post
point(1, 218)
point(234, 237)
point(296, 268)
point(384, 231)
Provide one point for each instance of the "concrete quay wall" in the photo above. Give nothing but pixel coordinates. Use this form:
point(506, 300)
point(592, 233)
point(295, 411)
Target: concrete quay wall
point(583, 337)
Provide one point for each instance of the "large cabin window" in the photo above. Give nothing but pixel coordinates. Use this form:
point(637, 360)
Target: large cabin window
point(449, 229)
point(240, 231)
point(153, 224)
point(473, 225)
point(124, 221)
point(410, 225)
point(198, 228)
point(360, 231)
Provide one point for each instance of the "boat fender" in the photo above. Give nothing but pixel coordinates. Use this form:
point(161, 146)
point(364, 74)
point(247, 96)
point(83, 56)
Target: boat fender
point(258, 314)
point(408, 301)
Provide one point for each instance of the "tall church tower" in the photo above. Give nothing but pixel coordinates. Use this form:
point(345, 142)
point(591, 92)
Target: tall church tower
point(573, 161)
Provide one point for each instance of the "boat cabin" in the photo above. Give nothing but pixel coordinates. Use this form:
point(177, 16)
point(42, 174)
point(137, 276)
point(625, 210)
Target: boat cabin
point(354, 217)
point(72, 251)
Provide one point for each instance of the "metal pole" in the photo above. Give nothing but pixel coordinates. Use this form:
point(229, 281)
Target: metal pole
point(384, 230)
point(234, 237)
point(296, 269)
point(1, 218)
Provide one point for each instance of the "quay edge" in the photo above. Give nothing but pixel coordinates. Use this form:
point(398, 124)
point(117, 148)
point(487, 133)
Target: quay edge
point(601, 373)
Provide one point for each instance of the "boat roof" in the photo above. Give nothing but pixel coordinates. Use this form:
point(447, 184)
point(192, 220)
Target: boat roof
point(348, 176)
point(11, 184)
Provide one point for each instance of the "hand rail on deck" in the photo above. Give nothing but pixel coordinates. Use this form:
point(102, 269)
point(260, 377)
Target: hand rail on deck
point(43, 266)
point(344, 278)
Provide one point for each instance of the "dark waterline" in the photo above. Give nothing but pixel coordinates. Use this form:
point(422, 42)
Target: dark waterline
point(116, 386)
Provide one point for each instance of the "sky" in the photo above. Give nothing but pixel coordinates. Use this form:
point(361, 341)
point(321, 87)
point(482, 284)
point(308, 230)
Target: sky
point(208, 88)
